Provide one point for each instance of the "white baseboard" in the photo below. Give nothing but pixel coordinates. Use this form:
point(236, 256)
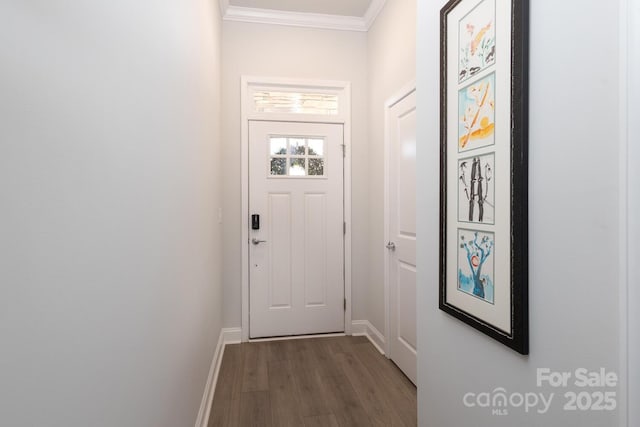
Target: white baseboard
point(364, 327)
point(227, 336)
point(232, 335)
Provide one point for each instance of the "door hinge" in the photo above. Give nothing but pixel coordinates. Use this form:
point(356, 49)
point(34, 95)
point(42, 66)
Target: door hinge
point(344, 150)
point(344, 228)
point(345, 304)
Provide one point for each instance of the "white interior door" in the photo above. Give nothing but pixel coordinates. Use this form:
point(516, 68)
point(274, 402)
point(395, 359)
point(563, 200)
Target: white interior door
point(401, 122)
point(296, 253)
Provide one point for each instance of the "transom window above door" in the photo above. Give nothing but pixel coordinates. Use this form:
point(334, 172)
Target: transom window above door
point(278, 101)
point(298, 156)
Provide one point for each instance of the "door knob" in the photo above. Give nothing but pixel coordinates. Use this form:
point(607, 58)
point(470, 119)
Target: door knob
point(257, 242)
point(391, 246)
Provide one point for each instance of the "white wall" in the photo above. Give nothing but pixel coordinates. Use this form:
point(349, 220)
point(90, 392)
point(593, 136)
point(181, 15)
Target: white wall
point(109, 180)
point(303, 53)
point(391, 66)
point(573, 223)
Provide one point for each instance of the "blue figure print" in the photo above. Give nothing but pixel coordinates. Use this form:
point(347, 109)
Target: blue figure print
point(476, 251)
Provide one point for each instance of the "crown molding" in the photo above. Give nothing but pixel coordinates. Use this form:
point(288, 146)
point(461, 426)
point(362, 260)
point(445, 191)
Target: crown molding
point(295, 19)
point(299, 19)
point(224, 5)
point(372, 13)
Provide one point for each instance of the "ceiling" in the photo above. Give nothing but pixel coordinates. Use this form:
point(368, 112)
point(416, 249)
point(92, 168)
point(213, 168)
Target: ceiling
point(328, 7)
point(350, 15)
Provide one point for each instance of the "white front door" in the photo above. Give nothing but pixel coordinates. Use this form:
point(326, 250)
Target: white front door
point(296, 248)
point(401, 120)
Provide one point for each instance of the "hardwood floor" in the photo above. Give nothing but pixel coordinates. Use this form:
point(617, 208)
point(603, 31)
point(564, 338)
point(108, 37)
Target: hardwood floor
point(329, 381)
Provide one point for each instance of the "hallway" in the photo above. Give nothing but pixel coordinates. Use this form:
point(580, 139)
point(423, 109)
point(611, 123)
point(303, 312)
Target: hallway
point(332, 381)
point(127, 234)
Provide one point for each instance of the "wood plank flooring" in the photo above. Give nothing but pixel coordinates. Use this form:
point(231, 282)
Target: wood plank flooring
point(327, 381)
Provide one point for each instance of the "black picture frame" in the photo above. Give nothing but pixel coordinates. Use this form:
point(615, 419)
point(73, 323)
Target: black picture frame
point(516, 335)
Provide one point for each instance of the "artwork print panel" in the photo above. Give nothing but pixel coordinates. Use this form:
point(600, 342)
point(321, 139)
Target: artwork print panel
point(476, 189)
point(476, 110)
point(477, 40)
point(476, 267)
point(484, 98)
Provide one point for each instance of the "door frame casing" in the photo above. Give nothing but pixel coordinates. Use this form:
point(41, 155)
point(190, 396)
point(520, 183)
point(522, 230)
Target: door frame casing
point(629, 229)
point(400, 95)
point(248, 113)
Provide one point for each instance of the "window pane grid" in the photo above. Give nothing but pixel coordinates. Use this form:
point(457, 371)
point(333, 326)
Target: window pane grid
point(296, 156)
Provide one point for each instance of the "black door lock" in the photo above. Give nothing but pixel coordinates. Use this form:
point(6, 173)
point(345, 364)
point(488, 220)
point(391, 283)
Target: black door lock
point(255, 222)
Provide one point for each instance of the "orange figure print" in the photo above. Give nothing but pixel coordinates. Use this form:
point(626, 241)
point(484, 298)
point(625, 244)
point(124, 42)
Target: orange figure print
point(477, 114)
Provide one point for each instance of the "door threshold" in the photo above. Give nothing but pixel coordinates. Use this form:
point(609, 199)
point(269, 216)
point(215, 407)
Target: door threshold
point(298, 337)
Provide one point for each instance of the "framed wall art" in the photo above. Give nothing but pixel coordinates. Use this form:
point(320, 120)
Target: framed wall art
point(483, 167)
